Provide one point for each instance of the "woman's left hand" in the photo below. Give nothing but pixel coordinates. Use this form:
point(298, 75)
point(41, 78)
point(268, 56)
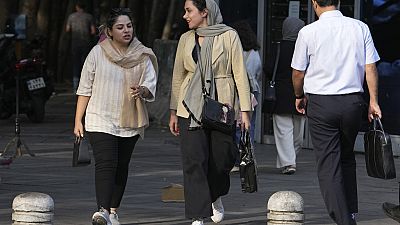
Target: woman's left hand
point(245, 121)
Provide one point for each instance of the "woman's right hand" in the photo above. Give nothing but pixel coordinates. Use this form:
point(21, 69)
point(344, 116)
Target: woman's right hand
point(173, 123)
point(78, 129)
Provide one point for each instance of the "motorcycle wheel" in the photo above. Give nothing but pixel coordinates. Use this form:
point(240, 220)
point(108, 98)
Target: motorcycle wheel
point(4, 114)
point(36, 112)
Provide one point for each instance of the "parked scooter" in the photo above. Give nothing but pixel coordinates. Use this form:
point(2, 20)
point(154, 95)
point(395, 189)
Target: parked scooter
point(35, 87)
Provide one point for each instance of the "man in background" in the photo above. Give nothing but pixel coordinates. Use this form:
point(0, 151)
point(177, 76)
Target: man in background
point(332, 58)
point(81, 26)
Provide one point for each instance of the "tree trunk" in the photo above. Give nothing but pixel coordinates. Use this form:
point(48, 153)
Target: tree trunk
point(122, 4)
point(63, 56)
point(180, 26)
point(157, 19)
point(168, 24)
point(57, 15)
point(43, 15)
point(7, 8)
point(30, 8)
point(103, 9)
point(141, 16)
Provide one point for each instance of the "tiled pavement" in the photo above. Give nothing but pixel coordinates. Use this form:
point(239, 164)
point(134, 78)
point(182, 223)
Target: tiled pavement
point(156, 164)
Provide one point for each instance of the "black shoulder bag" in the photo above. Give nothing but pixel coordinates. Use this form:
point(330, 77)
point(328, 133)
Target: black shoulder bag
point(215, 115)
point(270, 93)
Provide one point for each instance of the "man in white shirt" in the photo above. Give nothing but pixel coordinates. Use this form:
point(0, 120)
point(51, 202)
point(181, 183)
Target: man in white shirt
point(331, 58)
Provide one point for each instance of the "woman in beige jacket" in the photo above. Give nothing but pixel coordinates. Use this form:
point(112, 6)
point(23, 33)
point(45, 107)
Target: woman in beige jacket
point(205, 168)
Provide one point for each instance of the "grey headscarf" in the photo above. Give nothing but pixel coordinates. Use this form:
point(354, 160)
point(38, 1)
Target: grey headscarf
point(193, 100)
point(291, 27)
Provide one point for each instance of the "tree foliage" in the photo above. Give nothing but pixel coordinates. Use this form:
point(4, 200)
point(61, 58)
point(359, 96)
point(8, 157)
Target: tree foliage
point(153, 19)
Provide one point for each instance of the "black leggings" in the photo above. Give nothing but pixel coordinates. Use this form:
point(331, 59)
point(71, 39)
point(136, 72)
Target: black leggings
point(112, 155)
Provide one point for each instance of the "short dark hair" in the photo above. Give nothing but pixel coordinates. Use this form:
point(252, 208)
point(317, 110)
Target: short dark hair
point(199, 4)
point(81, 4)
point(324, 3)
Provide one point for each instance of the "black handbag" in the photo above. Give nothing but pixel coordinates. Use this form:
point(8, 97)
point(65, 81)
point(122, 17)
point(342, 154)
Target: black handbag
point(247, 166)
point(378, 152)
point(81, 155)
point(218, 116)
point(215, 115)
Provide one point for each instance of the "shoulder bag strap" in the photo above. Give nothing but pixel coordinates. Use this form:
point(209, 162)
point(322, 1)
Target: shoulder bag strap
point(278, 52)
point(199, 62)
point(212, 74)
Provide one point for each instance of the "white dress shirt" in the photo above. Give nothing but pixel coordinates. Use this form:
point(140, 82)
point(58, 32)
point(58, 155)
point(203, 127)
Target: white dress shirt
point(333, 52)
point(103, 80)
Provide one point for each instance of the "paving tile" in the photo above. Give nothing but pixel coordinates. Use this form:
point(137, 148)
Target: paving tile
point(156, 164)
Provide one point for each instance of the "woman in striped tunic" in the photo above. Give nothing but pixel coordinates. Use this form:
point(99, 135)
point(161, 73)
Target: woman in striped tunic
point(118, 77)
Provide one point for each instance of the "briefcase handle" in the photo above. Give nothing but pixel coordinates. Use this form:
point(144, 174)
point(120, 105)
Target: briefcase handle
point(377, 121)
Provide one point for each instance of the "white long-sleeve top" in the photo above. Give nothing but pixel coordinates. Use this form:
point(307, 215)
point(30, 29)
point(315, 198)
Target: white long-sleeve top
point(254, 68)
point(103, 80)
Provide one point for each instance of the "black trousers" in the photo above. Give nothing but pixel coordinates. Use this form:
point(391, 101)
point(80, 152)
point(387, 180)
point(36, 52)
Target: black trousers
point(207, 158)
point(112, 155)
point(334, 123)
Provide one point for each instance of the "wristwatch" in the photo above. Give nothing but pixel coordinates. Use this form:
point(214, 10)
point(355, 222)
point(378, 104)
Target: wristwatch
point(300, 97)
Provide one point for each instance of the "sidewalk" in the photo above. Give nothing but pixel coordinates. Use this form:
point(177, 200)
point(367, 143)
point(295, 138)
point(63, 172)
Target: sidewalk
point(156, 164)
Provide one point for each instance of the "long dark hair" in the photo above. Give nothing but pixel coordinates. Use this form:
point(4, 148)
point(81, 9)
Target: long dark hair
point(246, 35)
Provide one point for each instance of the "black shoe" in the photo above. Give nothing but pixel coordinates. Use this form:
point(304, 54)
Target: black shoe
point(392, 210)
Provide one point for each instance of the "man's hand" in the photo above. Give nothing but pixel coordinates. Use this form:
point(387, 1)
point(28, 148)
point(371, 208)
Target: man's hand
point(374, 110)
point(301, 105)
point(298, 82)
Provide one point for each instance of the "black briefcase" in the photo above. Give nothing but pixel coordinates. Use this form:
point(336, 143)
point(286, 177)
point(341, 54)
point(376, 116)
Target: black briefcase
point(378, 152)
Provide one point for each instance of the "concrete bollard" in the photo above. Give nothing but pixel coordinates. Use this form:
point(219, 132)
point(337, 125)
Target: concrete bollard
point(285, 208)
point(33, 208)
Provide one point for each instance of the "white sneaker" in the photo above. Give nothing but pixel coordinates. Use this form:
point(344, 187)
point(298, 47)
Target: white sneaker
point(235, 169)
point(114, 218)
point(102, 217)
point(197, 222)
point(218, 211)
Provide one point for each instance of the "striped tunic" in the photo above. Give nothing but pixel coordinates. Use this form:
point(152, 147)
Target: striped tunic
point(103, 80)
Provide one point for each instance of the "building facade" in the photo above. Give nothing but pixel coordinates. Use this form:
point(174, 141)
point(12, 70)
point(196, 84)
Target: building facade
point(383, 19)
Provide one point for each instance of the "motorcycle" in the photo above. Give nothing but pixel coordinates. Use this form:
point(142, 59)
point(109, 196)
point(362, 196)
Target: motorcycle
point(35, 87)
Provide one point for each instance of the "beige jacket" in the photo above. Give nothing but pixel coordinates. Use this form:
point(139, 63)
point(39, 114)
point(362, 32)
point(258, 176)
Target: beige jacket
point(228, 68)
